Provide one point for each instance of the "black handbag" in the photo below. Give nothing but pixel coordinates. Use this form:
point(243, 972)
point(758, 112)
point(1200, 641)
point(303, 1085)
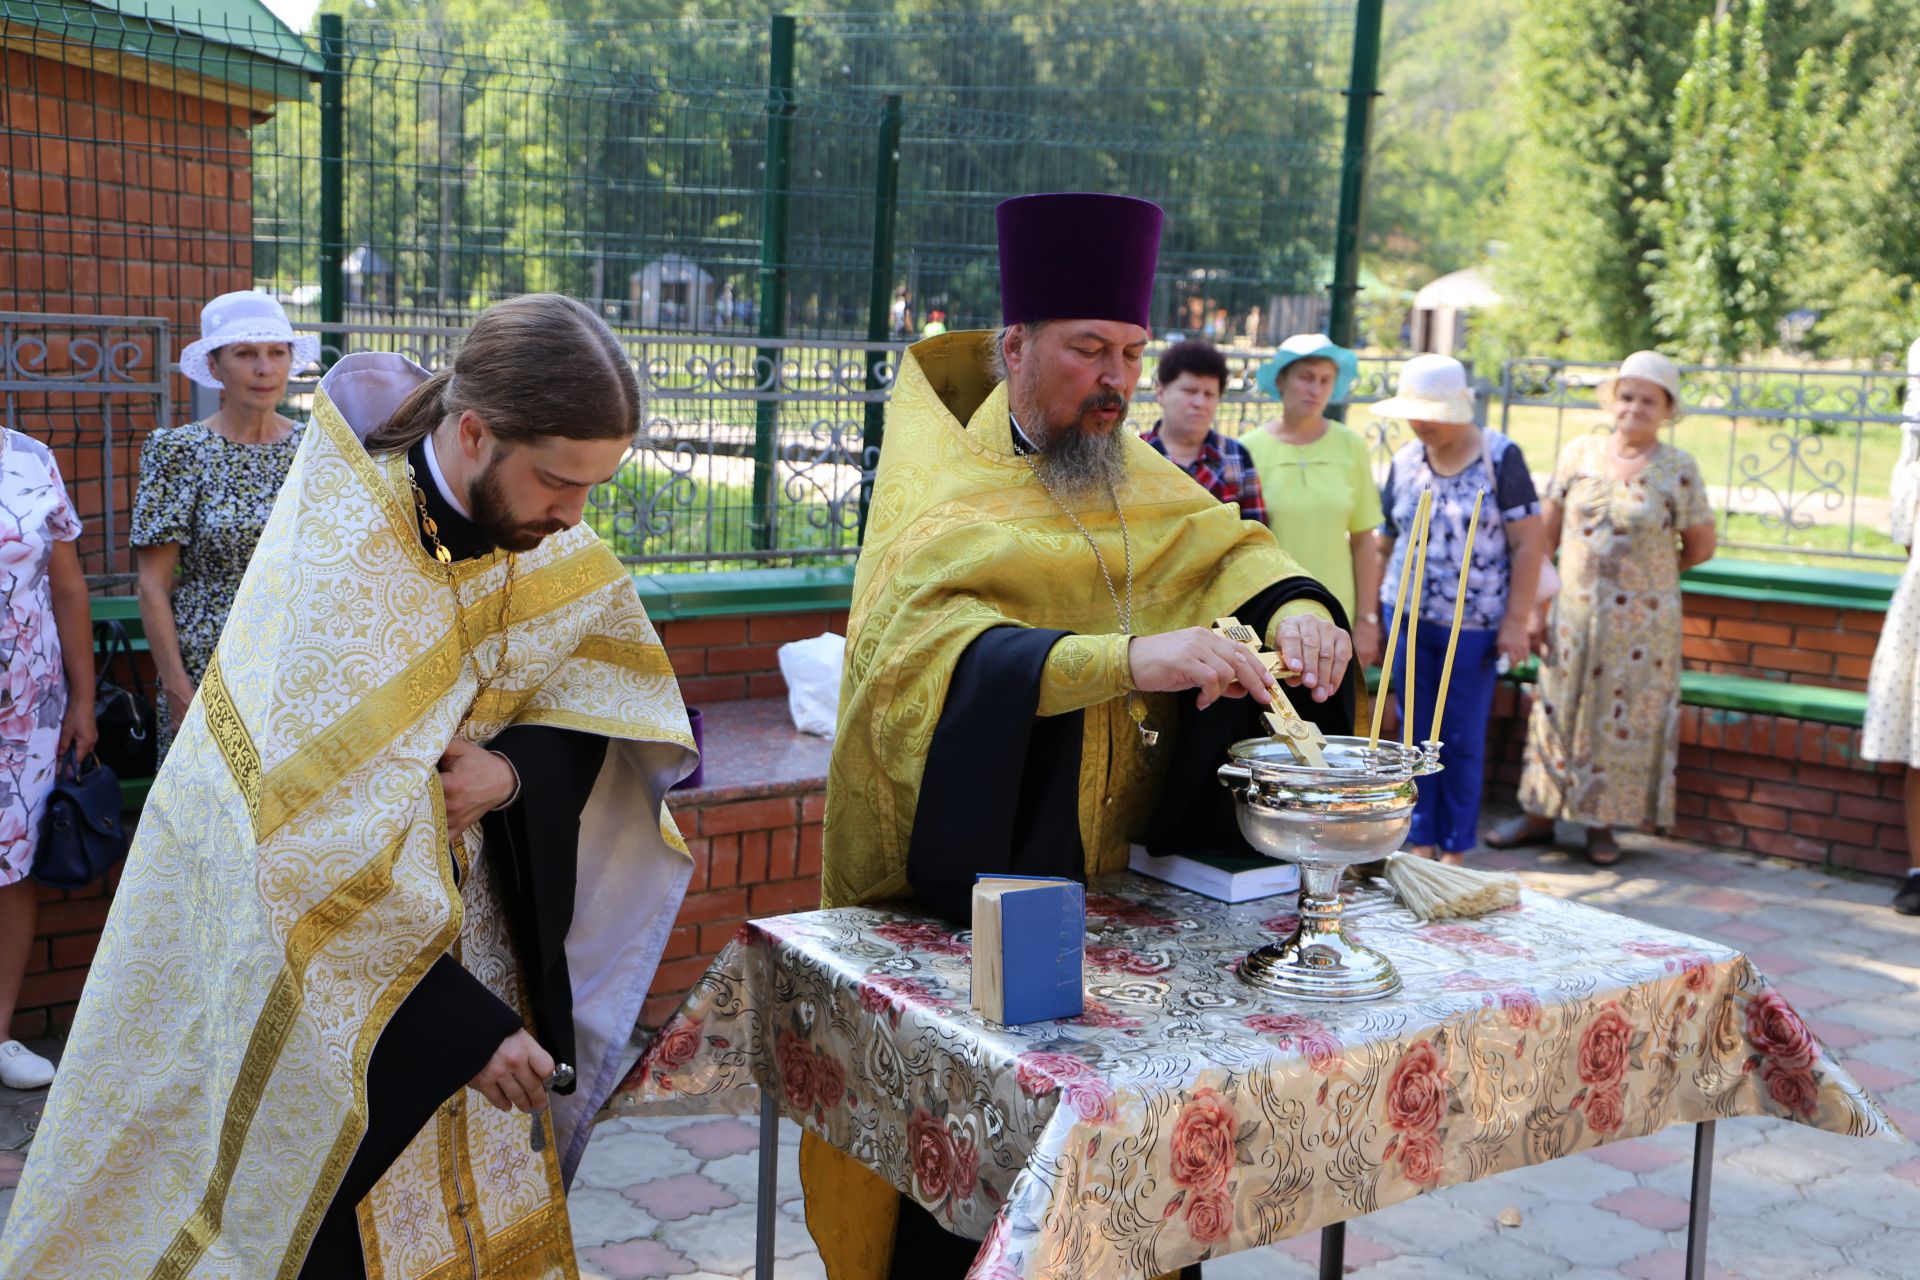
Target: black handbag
point(129, 738)
point(81, 836)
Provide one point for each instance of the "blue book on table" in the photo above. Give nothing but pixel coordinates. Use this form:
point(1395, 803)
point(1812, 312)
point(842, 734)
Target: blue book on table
point(1029, 948)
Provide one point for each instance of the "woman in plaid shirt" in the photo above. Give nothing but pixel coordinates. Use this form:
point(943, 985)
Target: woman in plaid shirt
point(1192, 376)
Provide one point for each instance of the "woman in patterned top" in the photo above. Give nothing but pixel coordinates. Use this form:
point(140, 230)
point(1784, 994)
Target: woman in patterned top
point(1629, 515)
point(1457, 459)
point(206, 488)
point(46, 701)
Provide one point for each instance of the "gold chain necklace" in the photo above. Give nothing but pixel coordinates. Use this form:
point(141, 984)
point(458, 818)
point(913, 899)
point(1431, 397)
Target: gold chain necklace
point(431, 527)
point(1136, 705)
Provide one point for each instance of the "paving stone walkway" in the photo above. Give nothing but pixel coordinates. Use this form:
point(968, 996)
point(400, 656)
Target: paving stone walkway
point(674, 1196)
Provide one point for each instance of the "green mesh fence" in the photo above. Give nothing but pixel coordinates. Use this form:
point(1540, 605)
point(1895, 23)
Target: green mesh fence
point(626, 163)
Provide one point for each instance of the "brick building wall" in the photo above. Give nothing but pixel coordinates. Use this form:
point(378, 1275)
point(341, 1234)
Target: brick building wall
point(117, 198)
point(751, 858)
point(726, 659)
point(1766, 784)
point(1799, 643)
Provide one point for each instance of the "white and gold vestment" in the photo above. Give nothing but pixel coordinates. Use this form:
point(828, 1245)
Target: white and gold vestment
point(290, 882)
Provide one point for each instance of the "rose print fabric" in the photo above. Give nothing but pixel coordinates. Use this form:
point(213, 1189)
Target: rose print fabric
point(1185, 1115)
point(35, 513)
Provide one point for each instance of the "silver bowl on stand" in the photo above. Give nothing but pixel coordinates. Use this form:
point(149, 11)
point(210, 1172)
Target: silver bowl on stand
point(1355, 810)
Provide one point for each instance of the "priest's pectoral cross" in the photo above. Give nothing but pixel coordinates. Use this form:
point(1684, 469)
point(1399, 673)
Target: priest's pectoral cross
point(1283, 722)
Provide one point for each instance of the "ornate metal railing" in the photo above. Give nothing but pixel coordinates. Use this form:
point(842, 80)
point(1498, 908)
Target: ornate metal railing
point(1796, 460)
point(727, 415)
point(750, 452)
point(88, 387)
point(758, 452)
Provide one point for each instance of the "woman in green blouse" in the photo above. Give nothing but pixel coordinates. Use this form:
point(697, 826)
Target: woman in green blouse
point(1322, 503)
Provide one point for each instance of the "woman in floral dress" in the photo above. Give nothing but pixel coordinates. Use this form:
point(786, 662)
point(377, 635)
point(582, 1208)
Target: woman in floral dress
point(207, 488)
point(46, 700)
point(1629, 514)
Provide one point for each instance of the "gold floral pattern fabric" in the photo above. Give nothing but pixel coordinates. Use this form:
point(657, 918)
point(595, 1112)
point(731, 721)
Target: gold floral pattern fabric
point(1185, 1115)
point(291, 880)
point(1604, 736)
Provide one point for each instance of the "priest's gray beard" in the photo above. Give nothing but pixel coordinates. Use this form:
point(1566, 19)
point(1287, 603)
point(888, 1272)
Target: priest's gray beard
point(1078, 464)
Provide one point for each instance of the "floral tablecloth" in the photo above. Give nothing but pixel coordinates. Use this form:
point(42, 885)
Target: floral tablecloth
point(1186, 1115)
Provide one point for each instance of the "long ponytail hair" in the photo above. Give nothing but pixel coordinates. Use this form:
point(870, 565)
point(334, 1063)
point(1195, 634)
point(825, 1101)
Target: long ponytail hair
point(540, 364)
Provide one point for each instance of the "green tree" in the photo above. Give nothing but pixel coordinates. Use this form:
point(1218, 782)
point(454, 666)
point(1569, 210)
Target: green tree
point(1859, 266)
point(1595, 78)
point(1727, 223)
point(1443, 136)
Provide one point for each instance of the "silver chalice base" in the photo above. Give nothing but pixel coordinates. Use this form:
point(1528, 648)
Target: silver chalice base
point(1355, 810)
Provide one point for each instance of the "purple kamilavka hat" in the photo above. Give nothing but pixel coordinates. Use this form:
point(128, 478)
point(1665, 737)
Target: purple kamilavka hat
point(1077, 256)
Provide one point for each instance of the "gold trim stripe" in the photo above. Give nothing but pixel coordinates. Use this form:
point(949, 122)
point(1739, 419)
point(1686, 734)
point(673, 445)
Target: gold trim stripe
point(533, 1246)
point(648, 661)
point(641, 659)
point(230, 735)
point(354, 1125)
point(377, 719)
point(314, 930)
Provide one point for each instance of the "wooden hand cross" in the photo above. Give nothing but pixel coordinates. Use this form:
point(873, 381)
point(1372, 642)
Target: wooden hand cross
point(1285, 724)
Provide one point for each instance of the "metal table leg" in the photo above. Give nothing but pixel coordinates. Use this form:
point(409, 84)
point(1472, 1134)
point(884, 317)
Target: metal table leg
point(769, 1189)
point(1702, 1200)
point(1333, 1251)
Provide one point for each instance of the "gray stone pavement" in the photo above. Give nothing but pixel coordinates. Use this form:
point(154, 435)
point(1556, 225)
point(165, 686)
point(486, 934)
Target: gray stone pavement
point(675, 1196)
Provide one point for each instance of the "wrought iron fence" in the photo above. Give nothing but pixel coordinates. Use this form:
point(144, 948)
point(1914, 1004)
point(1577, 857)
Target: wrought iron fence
point(756, 452)
point(687, 496)
point(89, 387)
point(1796, 461)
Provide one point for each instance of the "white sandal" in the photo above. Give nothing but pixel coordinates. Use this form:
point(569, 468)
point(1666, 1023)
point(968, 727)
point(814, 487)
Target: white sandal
point(22, 1068)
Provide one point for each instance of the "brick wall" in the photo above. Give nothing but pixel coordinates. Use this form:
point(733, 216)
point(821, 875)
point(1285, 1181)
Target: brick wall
point(66, 934)
point(117, 198)
point(1779, 787)
point(1798, 643)
point(751, 858)
point(725, 659)
point(120, 198)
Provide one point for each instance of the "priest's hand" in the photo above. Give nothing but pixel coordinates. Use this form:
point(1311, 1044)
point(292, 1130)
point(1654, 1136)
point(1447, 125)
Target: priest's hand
point(476, 781)
point(515, 1077)
point(1316, 651)
point(1196, 658)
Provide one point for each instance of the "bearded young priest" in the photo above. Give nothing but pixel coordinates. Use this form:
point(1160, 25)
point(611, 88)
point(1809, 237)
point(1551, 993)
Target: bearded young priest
point(409, 852)
point(1031, 680)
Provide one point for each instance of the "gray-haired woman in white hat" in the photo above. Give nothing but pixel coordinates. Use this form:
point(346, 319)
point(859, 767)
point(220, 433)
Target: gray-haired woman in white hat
point(1628, 514)
point(206, 488)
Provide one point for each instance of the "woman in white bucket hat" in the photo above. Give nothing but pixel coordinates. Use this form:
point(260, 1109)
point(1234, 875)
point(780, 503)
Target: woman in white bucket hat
point(1628, 515)
point(206, 488)
point(1456, 459)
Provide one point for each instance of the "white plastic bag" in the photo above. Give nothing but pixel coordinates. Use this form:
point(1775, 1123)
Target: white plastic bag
point(812, 672)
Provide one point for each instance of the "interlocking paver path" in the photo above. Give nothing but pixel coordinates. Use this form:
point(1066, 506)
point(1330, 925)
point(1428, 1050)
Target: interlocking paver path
point(674, 1195)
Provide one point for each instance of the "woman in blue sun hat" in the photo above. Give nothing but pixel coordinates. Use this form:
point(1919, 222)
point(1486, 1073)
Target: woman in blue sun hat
point(1322, 504)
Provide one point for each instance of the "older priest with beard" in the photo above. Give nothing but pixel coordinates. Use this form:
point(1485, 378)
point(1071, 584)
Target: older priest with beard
point(1031, 681)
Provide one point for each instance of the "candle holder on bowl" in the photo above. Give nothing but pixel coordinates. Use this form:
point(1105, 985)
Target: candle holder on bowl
point(1354, 809)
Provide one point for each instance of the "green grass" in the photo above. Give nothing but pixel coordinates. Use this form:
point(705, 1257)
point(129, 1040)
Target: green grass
point(1715, 443)
point(707, 518)
point(1817, 545)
